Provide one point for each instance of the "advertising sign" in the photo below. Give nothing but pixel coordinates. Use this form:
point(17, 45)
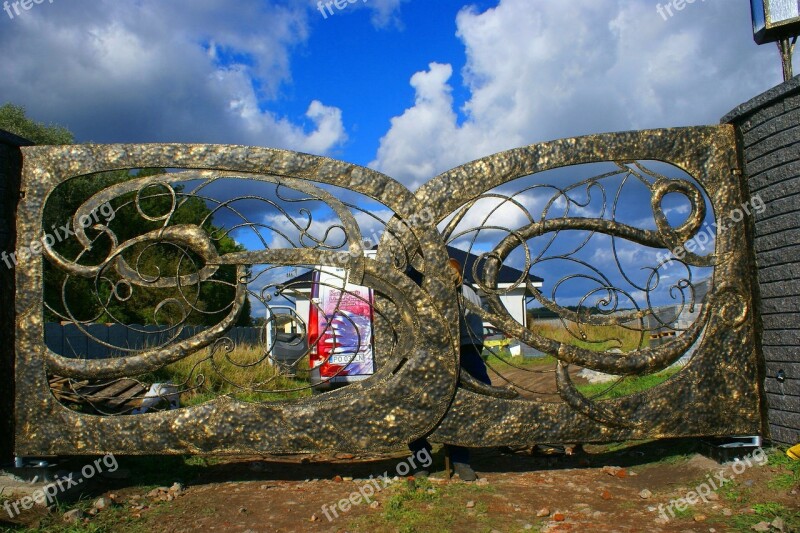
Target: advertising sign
point(344, 347)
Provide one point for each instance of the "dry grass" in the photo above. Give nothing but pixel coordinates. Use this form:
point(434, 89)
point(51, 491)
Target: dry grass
point(591, 337)
point(245, 374)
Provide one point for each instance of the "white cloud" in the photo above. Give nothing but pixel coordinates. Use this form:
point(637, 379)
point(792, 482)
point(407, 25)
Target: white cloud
point(496, 212)
point(410, 151)
point(321, 228)
point(683, 209)
point(149, 71)
point(385, 12)
point(543, 70)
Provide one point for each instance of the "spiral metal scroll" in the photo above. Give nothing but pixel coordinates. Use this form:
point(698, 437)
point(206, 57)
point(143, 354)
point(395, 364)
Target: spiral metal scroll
point(514, 212)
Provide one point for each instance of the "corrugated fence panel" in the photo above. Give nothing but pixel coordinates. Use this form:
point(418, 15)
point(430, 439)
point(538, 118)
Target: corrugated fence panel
point(70, 341)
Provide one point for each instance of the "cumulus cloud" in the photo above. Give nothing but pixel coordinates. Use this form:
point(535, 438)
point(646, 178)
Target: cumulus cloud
point(410, 150)
point(200, 71)
point(545, 70)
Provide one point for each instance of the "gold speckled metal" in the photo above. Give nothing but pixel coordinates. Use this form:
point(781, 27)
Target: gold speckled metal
point(415, 391)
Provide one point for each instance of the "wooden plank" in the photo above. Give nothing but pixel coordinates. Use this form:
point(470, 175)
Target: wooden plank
point(123, 398)
point(112, 391)
point(112, 396)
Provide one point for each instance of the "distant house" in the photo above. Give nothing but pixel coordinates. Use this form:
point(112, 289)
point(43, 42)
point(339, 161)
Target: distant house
point(515, 300)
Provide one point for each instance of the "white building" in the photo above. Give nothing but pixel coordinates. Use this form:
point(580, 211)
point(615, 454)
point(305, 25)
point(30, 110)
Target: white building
point(515, 300)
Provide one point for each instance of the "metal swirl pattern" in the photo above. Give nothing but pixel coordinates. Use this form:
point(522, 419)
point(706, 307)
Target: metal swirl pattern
point(234, 220)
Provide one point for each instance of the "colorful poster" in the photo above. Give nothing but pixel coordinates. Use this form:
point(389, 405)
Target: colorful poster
point(345, 325)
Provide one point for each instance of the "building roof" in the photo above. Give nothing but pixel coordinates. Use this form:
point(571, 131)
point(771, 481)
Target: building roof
point(506, 275)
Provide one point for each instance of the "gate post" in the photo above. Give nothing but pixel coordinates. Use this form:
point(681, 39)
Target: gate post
point(10, 175)
point(769, 139)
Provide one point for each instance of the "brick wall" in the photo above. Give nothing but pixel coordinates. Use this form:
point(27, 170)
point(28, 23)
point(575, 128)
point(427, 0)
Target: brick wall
point(769, 130)
point(10, 166)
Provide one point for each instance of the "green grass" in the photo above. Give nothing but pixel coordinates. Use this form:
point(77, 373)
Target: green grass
point(421, 507)
point(783, 482)
point(401, 506)
point(769, 509)
point(682, 514)
point(733, 492)
point(107, 521)
point(789, 479)
point(627, 386)
point(766, 512)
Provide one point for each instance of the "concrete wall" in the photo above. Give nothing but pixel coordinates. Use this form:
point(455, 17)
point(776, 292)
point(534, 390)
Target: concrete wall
point(10, 167)
point(769, 129)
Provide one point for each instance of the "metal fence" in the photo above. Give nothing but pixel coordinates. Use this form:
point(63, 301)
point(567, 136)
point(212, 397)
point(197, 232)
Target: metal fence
point(102, 341)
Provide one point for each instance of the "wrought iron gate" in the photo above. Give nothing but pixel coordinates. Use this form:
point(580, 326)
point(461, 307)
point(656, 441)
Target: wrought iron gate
point(572, 207)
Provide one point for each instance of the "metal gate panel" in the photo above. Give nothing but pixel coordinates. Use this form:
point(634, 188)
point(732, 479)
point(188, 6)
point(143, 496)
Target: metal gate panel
point(417, 391)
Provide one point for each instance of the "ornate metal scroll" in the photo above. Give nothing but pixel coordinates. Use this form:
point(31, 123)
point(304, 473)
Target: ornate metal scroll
point(514, 211)
point(405, 398)
point(721, 374)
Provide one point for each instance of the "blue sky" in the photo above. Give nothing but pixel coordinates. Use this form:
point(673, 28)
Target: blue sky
point(486, 75)
point(408, 87)
point(364, 70)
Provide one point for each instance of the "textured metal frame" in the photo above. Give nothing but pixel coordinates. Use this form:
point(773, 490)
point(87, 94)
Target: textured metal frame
point(397, 405)
point(719, 391)
point(416, 393)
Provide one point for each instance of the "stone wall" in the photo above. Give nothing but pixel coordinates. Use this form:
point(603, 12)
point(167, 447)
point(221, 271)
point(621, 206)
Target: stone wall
point(769, 130)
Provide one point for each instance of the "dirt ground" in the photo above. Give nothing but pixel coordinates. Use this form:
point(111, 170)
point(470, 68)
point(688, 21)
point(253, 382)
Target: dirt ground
point(609, 488)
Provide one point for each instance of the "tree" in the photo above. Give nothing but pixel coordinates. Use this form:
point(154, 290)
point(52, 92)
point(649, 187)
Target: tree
point(13, 119)
point(144, 304)
point(75, 295)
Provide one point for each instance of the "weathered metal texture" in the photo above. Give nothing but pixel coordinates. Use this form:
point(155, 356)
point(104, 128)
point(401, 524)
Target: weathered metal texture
point(415, 391)
point(717, 393)
point(403, 401)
